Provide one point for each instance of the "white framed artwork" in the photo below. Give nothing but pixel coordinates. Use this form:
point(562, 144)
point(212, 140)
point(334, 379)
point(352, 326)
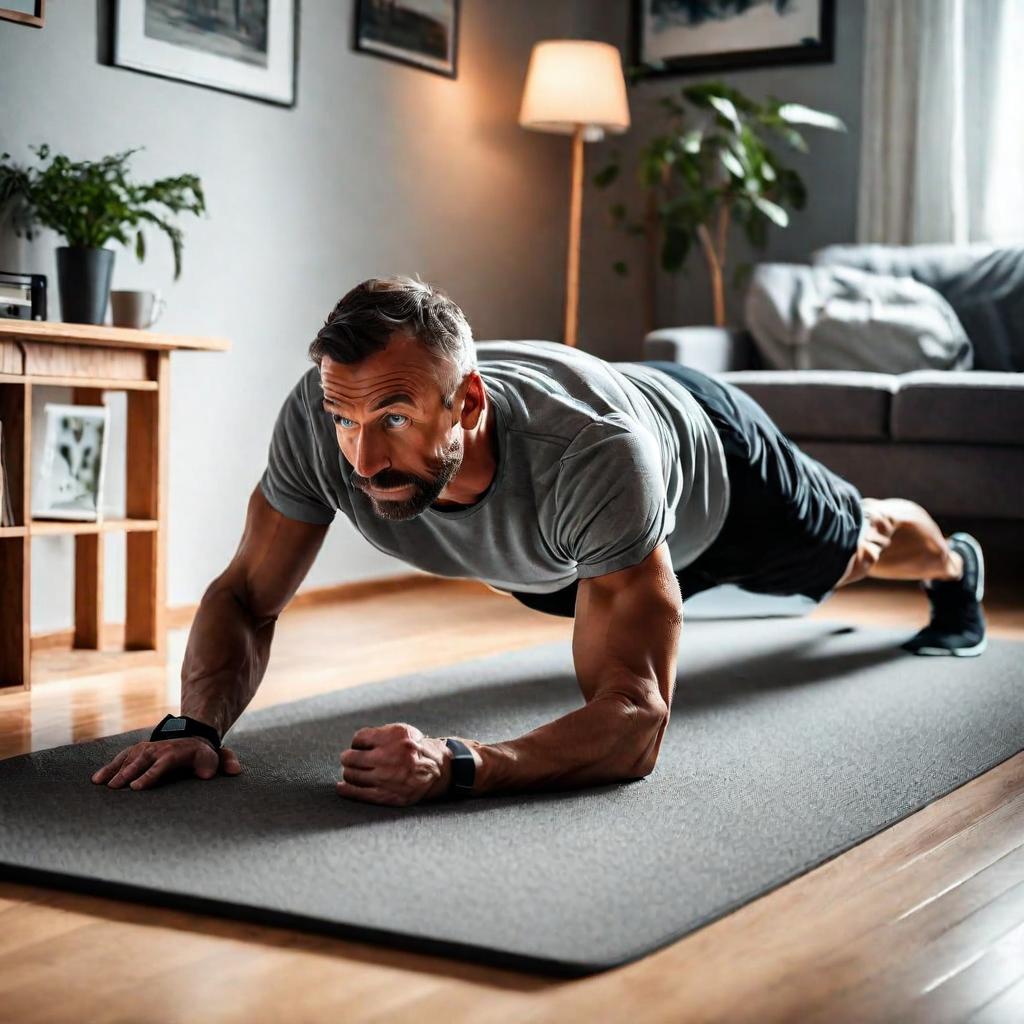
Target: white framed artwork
point(69, 478)
point(248, 47)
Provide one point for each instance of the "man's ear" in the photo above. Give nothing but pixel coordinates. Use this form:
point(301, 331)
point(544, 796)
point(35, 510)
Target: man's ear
point(469, 401)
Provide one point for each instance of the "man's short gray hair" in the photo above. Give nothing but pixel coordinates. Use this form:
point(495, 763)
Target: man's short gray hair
point(365, 319)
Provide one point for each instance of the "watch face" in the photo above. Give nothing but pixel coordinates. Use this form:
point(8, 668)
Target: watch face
point(174, 725)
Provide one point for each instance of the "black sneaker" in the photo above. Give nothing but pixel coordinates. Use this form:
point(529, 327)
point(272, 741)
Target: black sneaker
point(957, 625)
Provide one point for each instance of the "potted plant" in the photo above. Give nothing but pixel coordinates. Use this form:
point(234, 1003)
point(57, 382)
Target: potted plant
point(713, 167)
point(89, 203)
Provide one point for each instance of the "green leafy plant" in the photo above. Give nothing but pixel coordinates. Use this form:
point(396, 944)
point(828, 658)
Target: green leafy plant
point(91, 202)
point(714, 166)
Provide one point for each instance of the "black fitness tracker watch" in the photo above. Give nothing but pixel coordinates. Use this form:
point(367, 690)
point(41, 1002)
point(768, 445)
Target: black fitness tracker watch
point(463, 769)
point(174, 727)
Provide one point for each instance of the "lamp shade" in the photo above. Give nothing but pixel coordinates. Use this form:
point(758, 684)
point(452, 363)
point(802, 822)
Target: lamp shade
point(573, 82)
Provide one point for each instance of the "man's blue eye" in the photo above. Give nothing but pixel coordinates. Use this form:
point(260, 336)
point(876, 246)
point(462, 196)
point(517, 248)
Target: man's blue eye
point(341, 421)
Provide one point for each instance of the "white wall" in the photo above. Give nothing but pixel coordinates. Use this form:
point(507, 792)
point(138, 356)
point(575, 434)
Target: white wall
point(380, 168)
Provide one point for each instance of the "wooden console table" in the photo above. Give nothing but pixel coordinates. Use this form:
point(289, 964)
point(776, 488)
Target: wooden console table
point(90, 359)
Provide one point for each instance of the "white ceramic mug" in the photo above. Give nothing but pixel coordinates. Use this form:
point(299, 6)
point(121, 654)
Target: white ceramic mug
point(139, 309)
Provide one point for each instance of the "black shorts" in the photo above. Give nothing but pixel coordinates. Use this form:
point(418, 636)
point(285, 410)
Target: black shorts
point(792, 524)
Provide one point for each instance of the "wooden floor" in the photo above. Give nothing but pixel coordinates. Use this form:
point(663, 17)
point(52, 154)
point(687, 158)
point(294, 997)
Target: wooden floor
point(924, 922)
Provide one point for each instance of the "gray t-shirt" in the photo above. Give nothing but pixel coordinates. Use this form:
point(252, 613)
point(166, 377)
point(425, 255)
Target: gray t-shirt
point(598, 463)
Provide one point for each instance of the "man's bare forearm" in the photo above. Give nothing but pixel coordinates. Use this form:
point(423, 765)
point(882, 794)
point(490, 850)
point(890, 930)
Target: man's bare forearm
point(625, 643)
point(226, 657)
point(609, 739)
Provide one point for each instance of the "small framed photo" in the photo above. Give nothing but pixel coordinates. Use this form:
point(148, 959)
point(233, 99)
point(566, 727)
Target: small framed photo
point(25, 12)
point(247, 47)
point(678, 37)
point(69, 478)
point(423, 33)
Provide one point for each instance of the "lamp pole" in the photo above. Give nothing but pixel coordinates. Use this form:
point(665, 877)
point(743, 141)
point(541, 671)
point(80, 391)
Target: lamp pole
point(574, 87)
point(572, 269)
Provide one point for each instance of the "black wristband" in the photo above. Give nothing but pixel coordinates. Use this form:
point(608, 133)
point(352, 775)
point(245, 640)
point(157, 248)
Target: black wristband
point(463, 768)
point(174, 727)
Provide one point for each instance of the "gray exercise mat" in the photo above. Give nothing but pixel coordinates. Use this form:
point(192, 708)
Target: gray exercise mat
point(790, 741)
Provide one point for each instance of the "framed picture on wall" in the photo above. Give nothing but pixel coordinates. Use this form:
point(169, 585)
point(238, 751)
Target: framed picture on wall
point(678, 37)
point(247, 47)
point(423, 33)
point(25, 12)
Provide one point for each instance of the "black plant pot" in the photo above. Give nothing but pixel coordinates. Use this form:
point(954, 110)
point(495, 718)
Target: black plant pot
point(83, 279)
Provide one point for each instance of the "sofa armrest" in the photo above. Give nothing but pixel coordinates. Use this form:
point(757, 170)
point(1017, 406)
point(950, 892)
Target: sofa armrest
point(709, 349)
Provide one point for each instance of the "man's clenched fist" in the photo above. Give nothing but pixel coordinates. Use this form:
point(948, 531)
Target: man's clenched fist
point(395, 765)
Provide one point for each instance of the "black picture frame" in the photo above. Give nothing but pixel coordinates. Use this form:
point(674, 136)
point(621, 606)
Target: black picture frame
point(115, 58)
point(822, 52)
point(362, 10)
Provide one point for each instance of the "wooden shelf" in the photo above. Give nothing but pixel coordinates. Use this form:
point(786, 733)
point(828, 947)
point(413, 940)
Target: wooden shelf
point(90, 359)
point(49, 527)
point(44, 527)
point(58, 381)
point(107, 337)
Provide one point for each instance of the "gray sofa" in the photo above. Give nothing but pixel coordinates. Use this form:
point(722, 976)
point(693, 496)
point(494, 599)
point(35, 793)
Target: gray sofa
point(952, 441)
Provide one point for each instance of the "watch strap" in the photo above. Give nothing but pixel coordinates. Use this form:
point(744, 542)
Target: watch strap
point(175, 727)
point(463, 768)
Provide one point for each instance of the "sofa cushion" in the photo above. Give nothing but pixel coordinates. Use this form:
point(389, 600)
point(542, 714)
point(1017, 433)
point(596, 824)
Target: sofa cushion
point(988, 297)
point(841, 405)
point(951, 480)
point(971, 407)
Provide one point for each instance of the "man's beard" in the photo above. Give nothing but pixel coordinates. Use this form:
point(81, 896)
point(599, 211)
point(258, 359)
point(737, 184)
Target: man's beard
point(424, 492)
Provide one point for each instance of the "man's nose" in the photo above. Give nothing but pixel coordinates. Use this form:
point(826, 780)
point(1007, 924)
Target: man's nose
point(370, 455)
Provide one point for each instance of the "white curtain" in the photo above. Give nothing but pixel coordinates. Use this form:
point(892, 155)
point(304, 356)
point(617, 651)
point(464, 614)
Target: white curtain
point(942, 146)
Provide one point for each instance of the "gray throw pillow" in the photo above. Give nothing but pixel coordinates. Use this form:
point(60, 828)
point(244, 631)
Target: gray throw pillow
point(841, 318)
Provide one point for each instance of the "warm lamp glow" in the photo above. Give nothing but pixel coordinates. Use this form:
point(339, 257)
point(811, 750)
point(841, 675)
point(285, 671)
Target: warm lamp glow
point(572, 82)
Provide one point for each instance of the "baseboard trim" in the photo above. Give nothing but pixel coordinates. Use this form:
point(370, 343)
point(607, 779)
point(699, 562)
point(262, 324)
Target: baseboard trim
point(181, 616)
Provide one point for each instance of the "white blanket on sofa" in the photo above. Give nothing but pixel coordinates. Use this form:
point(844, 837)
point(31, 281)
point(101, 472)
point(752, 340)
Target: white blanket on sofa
point(840, 318)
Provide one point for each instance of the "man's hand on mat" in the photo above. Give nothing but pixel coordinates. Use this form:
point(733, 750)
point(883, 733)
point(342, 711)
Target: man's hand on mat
point(395, 765)
point(150, 761)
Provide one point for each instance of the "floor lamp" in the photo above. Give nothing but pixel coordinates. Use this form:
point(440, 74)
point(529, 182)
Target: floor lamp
point(575, 87)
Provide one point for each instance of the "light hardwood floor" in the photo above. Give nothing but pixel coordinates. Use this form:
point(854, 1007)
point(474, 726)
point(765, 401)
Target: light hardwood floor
point(924, 922)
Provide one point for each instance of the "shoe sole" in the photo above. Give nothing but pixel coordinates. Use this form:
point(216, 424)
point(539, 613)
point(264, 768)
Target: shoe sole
point(959, 652)
point(966, 538)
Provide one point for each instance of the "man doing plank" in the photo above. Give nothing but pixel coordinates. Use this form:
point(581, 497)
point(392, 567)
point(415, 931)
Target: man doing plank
point(608, 492)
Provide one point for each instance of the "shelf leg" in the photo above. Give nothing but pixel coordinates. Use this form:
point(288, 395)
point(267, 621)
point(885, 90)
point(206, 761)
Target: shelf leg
point(146, 498)
point(16, 552)
point(89, 591)
point(89, 564)
point(15, 646)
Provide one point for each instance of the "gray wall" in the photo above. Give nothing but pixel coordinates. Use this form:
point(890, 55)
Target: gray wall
point(612, 314)
point(380, 168)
